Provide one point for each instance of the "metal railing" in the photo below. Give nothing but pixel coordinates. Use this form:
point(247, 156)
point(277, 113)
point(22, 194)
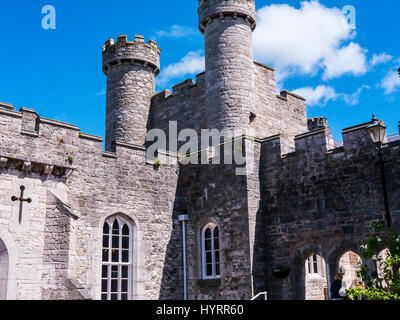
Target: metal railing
point(260, 294)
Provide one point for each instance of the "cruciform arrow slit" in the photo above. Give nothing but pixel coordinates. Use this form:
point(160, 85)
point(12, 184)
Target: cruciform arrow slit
point(21, 202)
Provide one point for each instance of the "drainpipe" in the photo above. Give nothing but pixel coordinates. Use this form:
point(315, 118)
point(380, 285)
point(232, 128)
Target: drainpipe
point(184, 218)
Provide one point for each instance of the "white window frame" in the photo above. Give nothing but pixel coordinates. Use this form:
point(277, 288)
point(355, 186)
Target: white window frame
point(310, 262)
point(121, 222)
point(212, 227)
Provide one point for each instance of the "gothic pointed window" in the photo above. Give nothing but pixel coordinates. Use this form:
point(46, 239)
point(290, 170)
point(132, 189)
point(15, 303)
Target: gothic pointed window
point(116, 259)
point(210, 252)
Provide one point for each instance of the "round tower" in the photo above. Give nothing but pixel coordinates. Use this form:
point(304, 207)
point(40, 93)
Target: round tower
point(131, 69)
point(227, 26)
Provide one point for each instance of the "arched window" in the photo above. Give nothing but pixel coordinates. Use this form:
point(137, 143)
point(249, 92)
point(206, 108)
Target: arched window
point(210, 252)
point(316, 282)
point(349, 265)
point(3, 270)
point(116, 259)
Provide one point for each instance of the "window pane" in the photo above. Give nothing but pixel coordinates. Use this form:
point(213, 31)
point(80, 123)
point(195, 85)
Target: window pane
point(114, 285)
point(114, 297)
point(114, 272)
point(115, 255)
point(104, 272)
point(115, 227)
point(207, 233)
point(104, 285)
point(208, 257)
point(124, 271)
point(106, 228)
point(125, 255)
point(125, 230)
point(216, 256)
point(104, 297)
point(124, 286)
point(115, 242)
point(209, 269)
point(216, 243)
point(125, 242)
point(105, 254)
point(216, 232)
point(105, 241)
point(208, 245)
point(124, 296)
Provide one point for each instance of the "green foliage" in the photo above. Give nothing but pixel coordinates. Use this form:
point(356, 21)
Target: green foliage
point(386, 284)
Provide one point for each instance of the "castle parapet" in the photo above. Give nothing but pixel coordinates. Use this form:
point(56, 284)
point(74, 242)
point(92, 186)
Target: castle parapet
point(357, 138)
point(216, 9)
point(317, 141)
point(133, 52)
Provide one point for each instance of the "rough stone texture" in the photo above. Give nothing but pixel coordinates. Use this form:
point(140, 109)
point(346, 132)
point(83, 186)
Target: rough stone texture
point(131, 68)
point(302, 193)
point(323, 201)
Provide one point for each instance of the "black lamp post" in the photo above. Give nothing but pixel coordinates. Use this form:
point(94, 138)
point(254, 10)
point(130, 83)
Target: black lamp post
point(377, 132)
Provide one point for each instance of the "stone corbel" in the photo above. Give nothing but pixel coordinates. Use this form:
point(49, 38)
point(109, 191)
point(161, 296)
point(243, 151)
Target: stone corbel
point(48, 169)
point(3, 162)
point(68, 173)
point(27, 166)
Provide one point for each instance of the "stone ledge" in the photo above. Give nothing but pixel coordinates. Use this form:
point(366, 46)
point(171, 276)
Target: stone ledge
point(59, 124)
point(10, 112)
point(33, 134)
point(28, 165)
point(263, 65)
point(90, 137)
point(204, 283)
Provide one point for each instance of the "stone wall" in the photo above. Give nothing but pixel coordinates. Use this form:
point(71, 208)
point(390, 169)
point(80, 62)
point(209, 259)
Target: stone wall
point(98, 184)
point(323, 200)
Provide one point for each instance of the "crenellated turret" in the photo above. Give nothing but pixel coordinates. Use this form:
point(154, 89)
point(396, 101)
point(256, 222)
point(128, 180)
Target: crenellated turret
point(227, 26)
point(131, 69)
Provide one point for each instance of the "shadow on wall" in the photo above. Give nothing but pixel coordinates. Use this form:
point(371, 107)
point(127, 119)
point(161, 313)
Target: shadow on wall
point(172, 278)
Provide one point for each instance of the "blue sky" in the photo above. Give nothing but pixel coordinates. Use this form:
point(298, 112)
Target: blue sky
point(346, 74)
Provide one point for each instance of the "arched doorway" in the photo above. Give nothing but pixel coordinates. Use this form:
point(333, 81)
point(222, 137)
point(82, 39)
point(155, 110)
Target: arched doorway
point(380, 266)
point(349, 265)
point(316, 287)
point(3, 270)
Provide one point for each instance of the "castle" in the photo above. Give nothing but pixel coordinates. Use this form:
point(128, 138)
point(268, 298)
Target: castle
point(78, 222)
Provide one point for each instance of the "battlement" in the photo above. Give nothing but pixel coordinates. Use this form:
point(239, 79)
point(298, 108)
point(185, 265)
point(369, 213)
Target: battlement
point(124, 51)
point(318, 143)
point(180, 89)
point(209, 10)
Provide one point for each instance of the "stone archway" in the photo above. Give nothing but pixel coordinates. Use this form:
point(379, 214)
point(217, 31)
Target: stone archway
point(316, 284)
point(349, 265)
point(4, 261)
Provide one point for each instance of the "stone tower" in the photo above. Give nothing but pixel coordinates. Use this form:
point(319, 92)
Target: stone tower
point(131, 69)
point(227, 26)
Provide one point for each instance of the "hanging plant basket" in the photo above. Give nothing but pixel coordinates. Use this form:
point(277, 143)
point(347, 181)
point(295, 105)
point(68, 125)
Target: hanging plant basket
point(280, 272)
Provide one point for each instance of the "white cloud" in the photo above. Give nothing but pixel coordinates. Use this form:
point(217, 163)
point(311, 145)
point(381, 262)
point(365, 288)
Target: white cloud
point(177, 31)
point(350, 59)
point(192, 63)
point(307, 39)
point(322, 94)
point(353, 99)
point(380, 59)
point(391, 82)
point(317, 96)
